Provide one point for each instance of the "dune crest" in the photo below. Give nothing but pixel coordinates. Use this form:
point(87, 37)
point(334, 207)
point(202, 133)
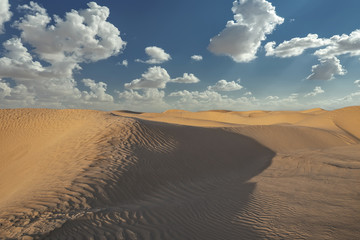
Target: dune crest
point(82, 174)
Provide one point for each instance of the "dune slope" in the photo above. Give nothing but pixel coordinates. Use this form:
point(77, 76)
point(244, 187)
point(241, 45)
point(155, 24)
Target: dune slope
point(80, 174)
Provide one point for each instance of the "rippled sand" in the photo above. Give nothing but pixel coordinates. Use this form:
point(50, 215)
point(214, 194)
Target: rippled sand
point(81, 174)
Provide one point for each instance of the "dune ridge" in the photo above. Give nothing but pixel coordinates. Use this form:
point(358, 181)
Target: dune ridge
point(82, 174)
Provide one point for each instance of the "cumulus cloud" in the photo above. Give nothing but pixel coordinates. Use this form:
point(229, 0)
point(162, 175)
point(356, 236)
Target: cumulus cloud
point(124, 63)
point(5, 14)
point(357, 82)
point(340, 45)
point(196, 57)
point(154, 77)
point(158, 77)
point(98, 91)
point(186, 78)
point(16, 96)
point(328, 55)
point(276, 102)
point(317, 90)
point(156, 55)
point(242, 37)
point(223, 85)
point(335, 46)
point(82, 36)
point(18, 63)
point(5, 89)
point(248, 94)
point(327, 69)
point(150, 99)
point(148, 95)
point(209, 99)
point(206, 99)
point(272, 98)
point(295, 46)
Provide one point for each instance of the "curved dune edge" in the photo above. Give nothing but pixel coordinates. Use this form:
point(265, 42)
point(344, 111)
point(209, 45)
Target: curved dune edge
point(72, 174)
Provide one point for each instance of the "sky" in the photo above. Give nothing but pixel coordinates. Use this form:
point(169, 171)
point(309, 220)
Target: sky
point(193, 55)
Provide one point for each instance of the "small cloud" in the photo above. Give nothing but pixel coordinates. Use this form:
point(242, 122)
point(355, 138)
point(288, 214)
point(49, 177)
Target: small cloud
point(317, 90)
point(357, 82)
point(158, 77)
point(248, 94)
point(292, 20)
point(225, 86)
point(154, 77)
point(186, 78)
point(98, 91)
point(196, 57)
point(327, 69)
point(124, 63)
point(272, 98)
point(156, 56)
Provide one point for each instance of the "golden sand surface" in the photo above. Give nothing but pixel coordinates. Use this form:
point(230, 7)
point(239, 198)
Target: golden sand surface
point(83, 174)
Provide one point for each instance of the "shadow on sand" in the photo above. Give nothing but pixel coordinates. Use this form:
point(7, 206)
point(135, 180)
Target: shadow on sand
point(188, 183)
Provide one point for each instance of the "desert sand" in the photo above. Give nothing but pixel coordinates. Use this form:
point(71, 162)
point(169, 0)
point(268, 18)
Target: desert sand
point(82, 174)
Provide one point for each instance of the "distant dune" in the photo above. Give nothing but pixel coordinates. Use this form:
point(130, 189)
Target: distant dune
point(82, 174)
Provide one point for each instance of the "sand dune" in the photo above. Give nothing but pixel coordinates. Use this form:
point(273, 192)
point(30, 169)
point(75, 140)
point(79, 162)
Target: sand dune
point(81, 174)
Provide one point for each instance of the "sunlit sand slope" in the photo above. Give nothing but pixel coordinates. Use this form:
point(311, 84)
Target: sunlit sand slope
point(80, 174)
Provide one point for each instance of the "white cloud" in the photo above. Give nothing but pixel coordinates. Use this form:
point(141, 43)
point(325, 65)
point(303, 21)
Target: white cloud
point(340, 45)
point(186, 78)
point(158, 77)
point(317, 90)
point(124, 63)
point(357, 82)
point(223, 85)
point(83, 36)
point(17, 62)
point(154, 77)
point(242, 37)
point(156, 55)
point(17, 96)
point(196, 57)
point(272, 98)
point(209, 99)
point(275, 102)
point(335, 46)
point(248, 94)
point(327, 69)
point(98, 91)
point(335, 103)
point(332, 48)
point(148, 95)
point(295, 46)
point(5, 13)
point(5, 90)
point(145, 100)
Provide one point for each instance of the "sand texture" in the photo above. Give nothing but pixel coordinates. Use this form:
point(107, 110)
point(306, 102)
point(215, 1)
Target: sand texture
point(82, 174)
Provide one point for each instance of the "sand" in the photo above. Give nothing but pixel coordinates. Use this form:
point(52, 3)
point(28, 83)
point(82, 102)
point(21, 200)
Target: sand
point(81, 174)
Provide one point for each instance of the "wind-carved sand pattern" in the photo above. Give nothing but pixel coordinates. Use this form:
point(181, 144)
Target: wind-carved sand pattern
point(81, 174)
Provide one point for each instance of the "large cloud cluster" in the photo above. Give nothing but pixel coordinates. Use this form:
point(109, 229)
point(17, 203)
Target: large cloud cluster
point(45, 74)
point(242, 37)
point(329, 51)
point(5, 13)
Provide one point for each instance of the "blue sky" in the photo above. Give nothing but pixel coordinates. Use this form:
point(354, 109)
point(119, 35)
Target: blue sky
point(192, 55)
